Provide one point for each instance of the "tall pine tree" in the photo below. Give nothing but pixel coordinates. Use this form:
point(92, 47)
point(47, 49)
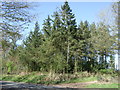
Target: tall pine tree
point(31, 49)
point(69, 28)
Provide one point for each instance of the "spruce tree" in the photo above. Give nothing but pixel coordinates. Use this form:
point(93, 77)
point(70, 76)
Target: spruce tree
point(47, 28)
point(92, 52)
point(69, 28)
point(83, 36)
point(58, 38)
point(31, 49)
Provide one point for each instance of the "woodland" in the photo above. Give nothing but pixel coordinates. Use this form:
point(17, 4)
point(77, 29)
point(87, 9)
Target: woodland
point(62, 46)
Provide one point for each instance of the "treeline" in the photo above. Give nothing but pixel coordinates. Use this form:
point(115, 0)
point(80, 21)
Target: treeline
point(62, 46)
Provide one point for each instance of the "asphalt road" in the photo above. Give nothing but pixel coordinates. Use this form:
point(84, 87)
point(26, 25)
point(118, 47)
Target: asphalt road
point(6, 85)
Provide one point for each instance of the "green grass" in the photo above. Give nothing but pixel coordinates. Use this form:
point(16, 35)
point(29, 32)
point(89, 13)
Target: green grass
point(0, 77)
point(113, 85)
point(29, 78)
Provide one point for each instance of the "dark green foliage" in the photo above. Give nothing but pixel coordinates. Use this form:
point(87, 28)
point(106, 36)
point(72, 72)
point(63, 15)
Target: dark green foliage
point(69, 28)
point(29, 54)
point(47, 27)
point(7, 78)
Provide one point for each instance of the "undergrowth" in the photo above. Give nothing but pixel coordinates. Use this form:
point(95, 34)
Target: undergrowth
point(46, 78)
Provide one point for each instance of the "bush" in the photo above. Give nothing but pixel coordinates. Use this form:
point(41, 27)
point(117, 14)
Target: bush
point(10, 66)
point(7, 78)
point(106, 71)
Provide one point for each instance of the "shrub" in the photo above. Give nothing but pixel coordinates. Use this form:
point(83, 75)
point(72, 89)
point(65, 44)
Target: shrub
point(10, 66)
point(106, 71)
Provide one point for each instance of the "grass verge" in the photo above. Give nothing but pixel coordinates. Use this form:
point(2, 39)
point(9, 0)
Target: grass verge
point(44, 79)
point(113, 85)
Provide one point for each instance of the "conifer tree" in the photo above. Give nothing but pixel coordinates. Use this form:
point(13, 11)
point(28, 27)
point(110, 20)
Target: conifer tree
point(58, 37)
point(69, 28)
point(31, 49)
point(83, 36)
point(47, 27)
point(103, 44)
point(93, 55)
point(58, 33)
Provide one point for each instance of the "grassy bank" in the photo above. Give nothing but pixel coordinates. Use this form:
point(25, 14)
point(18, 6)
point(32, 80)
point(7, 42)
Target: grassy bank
point(49, 79)
point(46, 78)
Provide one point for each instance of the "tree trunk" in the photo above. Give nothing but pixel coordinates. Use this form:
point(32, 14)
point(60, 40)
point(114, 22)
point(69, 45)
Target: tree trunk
point(67, 56)
point(75, 65)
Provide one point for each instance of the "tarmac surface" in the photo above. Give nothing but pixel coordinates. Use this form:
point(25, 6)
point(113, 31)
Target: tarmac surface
point(6, 85)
